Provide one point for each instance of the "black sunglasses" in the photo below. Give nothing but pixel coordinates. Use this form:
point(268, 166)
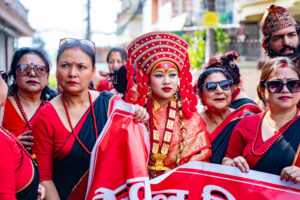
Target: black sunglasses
point(276, 86)
point(212, 86)
point(25, 69)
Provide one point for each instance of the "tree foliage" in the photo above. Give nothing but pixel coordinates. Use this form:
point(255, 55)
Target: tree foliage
point(197, 45)
point(222, 40)
point(196, 48)
point(52, 81)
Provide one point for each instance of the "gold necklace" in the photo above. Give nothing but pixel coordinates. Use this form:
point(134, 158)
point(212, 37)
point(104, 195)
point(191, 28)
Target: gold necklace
point(272, 124)
point(213, 121)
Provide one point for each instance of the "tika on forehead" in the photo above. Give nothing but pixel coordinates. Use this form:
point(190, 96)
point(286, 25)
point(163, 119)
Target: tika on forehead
point(164, 67)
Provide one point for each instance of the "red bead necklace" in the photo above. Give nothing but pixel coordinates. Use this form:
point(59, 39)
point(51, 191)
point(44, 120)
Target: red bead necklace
point(22, 148)
point(70, 123)
point(23, 112)
point(278, 133)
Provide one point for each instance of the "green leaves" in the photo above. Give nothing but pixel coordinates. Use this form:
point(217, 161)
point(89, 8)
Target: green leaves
point(196, 48)
point(197, 45)
point(222, 40)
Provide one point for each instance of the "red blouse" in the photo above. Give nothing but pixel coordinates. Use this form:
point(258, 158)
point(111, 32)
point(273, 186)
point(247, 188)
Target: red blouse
point(16, 168)
point(50, 138)
point(12, 121)
point(247, 136)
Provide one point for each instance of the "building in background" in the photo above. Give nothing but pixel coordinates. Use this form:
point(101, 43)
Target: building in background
point(179, 16)
point(129, 20)
point(13, 24)
point(240, 19)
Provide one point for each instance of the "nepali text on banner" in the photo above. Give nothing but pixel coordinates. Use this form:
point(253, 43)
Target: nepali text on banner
point(118, 171)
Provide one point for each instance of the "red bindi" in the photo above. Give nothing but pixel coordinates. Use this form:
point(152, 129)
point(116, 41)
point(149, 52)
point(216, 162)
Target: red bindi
point(283, 65)
point(75, 49)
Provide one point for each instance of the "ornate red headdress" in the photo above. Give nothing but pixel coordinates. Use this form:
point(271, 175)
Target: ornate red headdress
point(276, 18)
point(148, 50)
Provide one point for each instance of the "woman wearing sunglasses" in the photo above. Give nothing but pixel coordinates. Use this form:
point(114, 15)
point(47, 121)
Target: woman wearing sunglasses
point(240, 100)
point(29, 92)
point(177, 132)
point(269, 141)
point(19, 175)
point(215, 91)
point(67, 128)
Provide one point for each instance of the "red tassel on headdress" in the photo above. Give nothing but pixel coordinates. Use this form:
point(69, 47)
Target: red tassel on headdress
point(130, 74)
point(142, 101)
point(183, 94)
point(185, 110)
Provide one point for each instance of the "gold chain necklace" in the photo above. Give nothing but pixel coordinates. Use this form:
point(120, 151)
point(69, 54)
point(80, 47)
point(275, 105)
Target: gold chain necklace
point(271, 123)
point(213, 121)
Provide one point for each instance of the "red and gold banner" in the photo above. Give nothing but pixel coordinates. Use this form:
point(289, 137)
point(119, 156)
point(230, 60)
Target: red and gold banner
point(118, 171)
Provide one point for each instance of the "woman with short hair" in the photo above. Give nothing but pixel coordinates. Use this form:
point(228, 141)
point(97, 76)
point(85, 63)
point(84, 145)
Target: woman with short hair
point(215, 92)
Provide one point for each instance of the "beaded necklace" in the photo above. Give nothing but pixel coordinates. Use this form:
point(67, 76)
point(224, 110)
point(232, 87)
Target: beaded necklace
point(22, 148)
point(278, 133)
point(23, 112)
point(70, 123)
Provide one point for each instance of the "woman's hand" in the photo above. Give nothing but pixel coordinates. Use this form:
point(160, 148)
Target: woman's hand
point(26, 139)
point(239, 162)
point(41, 192)
point(291, 173)
point(141, 114)
point(50, 190)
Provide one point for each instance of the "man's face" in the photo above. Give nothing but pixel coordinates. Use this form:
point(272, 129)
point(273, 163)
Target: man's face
point(284, 42)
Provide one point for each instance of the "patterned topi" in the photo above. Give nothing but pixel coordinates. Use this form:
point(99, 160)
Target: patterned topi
point(276, 18)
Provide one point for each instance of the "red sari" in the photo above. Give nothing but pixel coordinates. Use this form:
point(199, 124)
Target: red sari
point(219, 138)
point(59, 154)
point(271, 155)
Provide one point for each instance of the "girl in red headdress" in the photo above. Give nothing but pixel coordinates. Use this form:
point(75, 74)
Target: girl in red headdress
point(177, 132)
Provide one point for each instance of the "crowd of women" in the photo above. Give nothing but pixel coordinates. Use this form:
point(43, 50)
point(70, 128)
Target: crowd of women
point(47, 136)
